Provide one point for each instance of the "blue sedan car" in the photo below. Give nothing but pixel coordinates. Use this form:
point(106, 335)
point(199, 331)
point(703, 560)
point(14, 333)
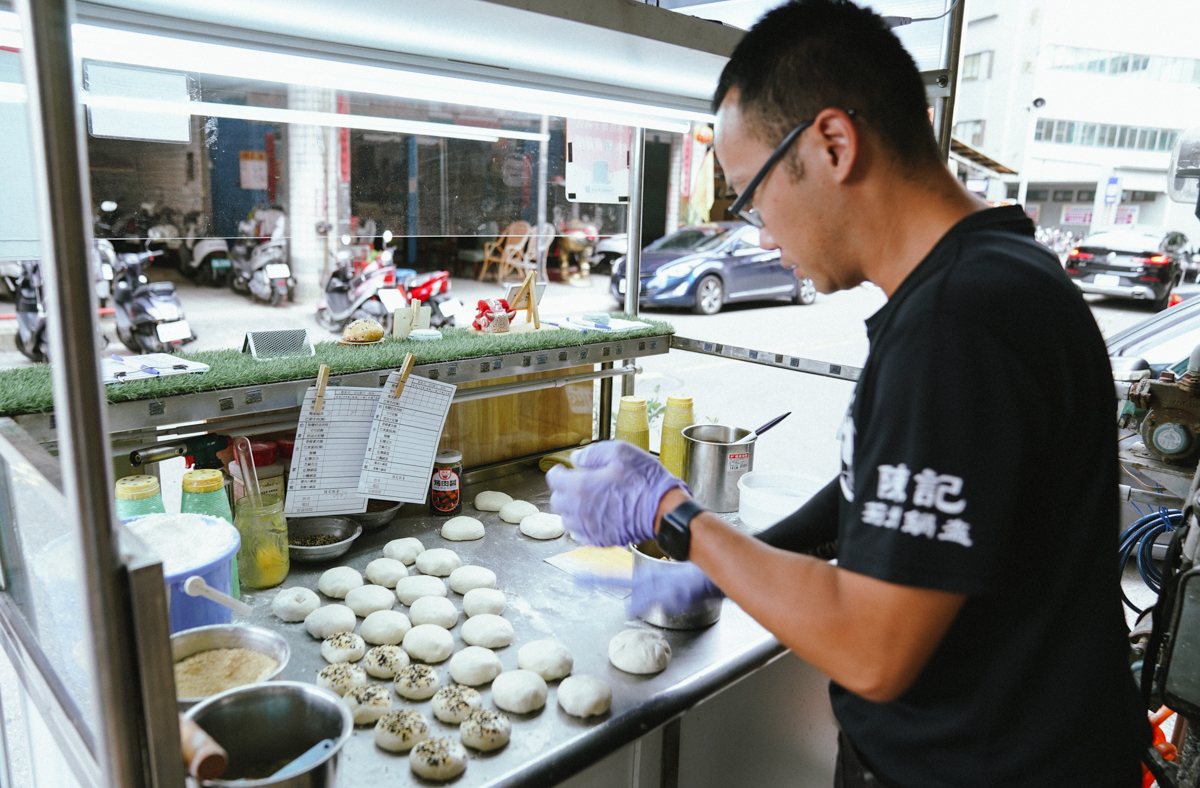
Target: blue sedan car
point(705, 266)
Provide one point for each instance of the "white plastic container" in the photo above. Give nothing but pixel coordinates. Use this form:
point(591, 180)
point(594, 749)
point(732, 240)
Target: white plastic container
point(767, 498)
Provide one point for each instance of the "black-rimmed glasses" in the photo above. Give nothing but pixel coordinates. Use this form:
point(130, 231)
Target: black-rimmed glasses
point(742, 206)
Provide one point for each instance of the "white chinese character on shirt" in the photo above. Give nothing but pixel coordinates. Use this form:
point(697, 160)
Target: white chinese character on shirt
point(919, 523)
point(879, 514)
point(893, 483)
point(931, 491)
point(956, 531)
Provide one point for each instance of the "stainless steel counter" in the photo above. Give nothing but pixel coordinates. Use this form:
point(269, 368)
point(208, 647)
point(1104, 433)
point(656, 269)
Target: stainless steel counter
point(543, 602)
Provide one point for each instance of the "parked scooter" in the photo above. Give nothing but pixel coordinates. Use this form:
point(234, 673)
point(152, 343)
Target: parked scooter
point(149, 316)
point(104, 266)
point(260, 257)
point(204, 259)
point(348, 297)
point(163, 234)
point(32, 338)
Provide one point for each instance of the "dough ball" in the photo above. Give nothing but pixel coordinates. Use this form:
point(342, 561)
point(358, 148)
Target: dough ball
point(398, 731)
point(410, 589)
point(584, 696)
point(466, 578)
point(404, 550)
point(639, 651)
point(294, 604)
point(475, 665)
point(548, 658)
point(516, 511)
point(491, 501)
point(417, 682)
point(429, 643)
point(384, 662)
point(436, 610)
point(519, 691)
point(368, 703)
point(386, 571)
point(437, 759)
point(385, 627)
point(462, 529)
point(438, 562)
point(330, 620)
point(362, 331)
point(484, 600)
point(486, 730)
point(455, 703)
point(343, 647)
point(487, 630)
point(542, 525)
point(341, 677)
point(338, 582)
point(366, 600)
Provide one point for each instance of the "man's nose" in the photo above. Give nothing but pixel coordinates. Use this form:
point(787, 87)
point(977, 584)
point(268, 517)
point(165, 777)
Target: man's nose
point(766, 240)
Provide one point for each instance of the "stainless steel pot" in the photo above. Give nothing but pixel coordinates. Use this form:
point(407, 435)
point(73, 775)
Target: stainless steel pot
point(701, 614)
point(713, 463)
point(265, 726)
point(193, 641)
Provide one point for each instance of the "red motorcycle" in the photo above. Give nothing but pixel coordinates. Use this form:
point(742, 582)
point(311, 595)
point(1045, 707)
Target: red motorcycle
point(351, 297)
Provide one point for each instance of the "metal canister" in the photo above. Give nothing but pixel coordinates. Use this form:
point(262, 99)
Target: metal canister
point(713, 463)
point(445, 487)
point(700, 614)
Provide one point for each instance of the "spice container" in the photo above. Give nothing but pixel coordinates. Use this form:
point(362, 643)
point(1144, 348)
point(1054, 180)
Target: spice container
point(677, 416)
point(263, 558)
point(138, 495)
point(267, 467)
point(632, 425)
point(204, 493)
point(445, 487)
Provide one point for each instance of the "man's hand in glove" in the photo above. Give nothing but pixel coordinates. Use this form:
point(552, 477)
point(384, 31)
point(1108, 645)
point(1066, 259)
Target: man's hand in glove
point(612, 495)
point(675, 586)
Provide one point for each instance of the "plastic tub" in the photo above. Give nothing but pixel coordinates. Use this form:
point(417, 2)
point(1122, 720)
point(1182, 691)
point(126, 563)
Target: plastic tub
point(767, 498)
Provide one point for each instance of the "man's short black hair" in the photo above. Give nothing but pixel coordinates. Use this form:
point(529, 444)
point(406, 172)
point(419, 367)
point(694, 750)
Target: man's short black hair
point(810, 55)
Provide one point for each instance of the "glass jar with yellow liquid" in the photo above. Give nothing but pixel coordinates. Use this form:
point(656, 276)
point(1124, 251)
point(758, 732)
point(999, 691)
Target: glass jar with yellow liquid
point(632, 425)
point(263, 558)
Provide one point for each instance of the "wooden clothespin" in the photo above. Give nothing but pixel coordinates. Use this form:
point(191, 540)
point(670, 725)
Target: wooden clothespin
point(533, 305)
point(405, 371)
point(421, 315)
point(322, 382)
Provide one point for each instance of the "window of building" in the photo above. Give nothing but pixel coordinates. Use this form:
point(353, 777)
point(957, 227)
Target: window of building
point(1037, 195)
point(1123, 64)
point(1138, 196)
point(1064, 195)
point(1069, 132)
point(970, 132)
point(1012, 191)
point(977, 66)
point(1085, 195)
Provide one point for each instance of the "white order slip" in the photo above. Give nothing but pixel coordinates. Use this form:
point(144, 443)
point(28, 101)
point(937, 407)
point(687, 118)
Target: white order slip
point(404, 439)
point(123, 369)
point(328, 457)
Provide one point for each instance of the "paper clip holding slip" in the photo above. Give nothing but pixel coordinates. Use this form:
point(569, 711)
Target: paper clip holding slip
point(322, 382)
point(405, 371)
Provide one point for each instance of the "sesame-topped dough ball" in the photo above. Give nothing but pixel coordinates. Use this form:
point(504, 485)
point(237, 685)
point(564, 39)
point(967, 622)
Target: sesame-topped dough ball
point(454, 703)
point(486, 730)
point(437, 759)
point(341, 677)
point(417, 682)
point(368, 703)
point(343, 647)
point(384, 662)
point(399, 730)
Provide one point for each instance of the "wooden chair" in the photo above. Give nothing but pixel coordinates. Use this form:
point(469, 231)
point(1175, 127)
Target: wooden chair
point(508, 247)
point(520, 260)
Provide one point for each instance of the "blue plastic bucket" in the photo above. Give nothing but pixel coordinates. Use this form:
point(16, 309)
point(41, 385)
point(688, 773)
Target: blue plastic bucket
point(196, 611)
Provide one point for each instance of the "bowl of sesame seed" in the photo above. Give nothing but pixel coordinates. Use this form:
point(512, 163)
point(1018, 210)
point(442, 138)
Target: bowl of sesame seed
point(320, 538)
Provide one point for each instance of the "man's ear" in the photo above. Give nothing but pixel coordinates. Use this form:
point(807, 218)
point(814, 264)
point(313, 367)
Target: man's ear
point(835, 132)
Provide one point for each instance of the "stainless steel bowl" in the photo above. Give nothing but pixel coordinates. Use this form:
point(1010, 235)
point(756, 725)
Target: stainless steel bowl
point(264, 726)
point(193, 641)
point(377, 519)
point(701, 614)
point(345, 529)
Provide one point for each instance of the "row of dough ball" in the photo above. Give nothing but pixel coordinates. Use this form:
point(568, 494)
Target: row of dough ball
point(533, 523)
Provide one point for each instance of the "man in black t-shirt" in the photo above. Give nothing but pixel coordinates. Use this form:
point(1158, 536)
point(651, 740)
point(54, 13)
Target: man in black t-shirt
point(972, 625)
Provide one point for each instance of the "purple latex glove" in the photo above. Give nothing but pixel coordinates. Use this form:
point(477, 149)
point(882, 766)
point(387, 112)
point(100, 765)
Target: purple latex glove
point(612, 495)
point(674, 586)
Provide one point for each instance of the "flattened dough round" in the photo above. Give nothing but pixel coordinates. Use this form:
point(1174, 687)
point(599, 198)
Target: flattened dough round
point(487, 630)
point(429, 643)
point(486, 730)
point(584, 696)
point(516, 511)
point(454, 703)
point(542, 525)
point(386, 571)
point(330, 620)
point(366, 600)
point(439, 562)
point(484, 600)
point(385, 627)
point(462, 529)
point(417, 682)
point(469, 577)
point(338, 582)
point(475, 665)
point(437, 759)
point(436, 610)
point(404, 550)
point(548, 658)
point(639, 651)
point(369, 703)
point(399, 730)
point(410, 589)
point(519, 691)
point(343, 647)
point(491, 501)
point(384, 662)
point(294, 604)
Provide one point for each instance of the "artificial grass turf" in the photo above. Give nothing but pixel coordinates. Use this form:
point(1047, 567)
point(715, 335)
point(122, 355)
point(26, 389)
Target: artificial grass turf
point(28, 389)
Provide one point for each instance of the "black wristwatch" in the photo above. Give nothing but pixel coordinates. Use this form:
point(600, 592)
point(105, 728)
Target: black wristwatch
point(675, 532)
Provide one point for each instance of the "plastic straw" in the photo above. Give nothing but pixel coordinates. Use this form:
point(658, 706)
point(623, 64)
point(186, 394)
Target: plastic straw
point(245, 458)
